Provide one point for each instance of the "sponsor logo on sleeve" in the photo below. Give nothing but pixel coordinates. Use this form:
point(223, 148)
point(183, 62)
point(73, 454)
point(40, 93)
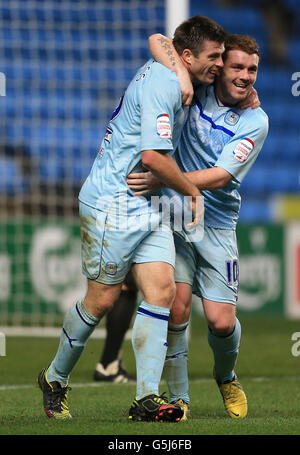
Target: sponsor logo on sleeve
point(108, 134)
point(163, 126)
point(243, 149)
point(231, 118)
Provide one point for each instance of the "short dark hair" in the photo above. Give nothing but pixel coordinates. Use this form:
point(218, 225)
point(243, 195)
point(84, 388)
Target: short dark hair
point(243, 43)
point(192, 33)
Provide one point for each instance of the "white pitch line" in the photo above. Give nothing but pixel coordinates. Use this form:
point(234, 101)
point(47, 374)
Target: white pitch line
point(101, 384)
point(48, 332)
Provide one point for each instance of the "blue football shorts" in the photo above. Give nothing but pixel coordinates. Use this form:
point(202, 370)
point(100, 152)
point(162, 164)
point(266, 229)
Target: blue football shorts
point(210, 266)
point(110, 244)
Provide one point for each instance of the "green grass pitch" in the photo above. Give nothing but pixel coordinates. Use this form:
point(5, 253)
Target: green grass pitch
point(268, 371)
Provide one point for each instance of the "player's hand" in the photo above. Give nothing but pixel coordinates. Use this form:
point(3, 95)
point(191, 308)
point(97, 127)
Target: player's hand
point(197, 207)
point(187, 90)
point(143, 183)
point(252, 100)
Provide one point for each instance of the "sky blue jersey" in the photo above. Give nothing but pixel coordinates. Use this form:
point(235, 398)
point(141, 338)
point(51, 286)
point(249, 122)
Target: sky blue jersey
point(149, 117)
point(227, 137)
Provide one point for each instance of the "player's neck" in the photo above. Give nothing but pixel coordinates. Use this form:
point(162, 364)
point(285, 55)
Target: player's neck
point(187, 67)
point(224, 98)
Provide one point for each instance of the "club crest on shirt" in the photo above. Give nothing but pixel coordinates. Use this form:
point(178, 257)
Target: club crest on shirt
point(231, 118)
point(163, 126)
point(243, 149)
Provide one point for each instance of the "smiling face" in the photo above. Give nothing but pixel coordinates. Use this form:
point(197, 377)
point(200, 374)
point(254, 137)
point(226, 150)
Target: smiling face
point(237, 76)
point(207, 64)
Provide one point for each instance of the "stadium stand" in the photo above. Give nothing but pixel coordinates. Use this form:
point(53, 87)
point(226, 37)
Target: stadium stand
point(67, 63)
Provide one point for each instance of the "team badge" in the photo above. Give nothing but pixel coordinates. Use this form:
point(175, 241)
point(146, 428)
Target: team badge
point(110, 268)
point(163, 126)
point(243, 149)
point(231, 118)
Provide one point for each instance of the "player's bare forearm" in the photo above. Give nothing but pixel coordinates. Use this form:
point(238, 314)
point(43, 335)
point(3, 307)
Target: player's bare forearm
point(204, 179)
point(164, 52)
point(164, 167)
point(209, 179)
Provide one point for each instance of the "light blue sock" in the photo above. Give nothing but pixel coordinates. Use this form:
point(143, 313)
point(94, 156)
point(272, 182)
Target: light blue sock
point(77, 327)
point(149, 341)
point(176, 370)
point(225, 350)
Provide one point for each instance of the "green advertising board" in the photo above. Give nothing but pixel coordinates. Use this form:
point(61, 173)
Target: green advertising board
point(261, 264)
point(40, 270)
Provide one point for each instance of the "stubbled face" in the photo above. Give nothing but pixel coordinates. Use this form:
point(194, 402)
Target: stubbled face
point(206, 66)
point(237, 76)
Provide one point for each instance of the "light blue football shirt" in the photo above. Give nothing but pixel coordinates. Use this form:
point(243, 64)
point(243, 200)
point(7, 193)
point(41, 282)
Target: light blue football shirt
point(149, 117)
point(227, 137)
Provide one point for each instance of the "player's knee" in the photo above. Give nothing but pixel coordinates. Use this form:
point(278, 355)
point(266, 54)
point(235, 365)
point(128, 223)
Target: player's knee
point(100, 298)
point(97, 307)
point(167, 293)
point(222, 327)
point(180, 312)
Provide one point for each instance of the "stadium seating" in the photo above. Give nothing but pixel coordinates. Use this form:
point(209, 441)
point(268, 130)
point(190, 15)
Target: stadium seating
point(67, 66)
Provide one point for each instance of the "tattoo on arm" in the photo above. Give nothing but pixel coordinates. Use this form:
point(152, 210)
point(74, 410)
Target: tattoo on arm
point(165, 44)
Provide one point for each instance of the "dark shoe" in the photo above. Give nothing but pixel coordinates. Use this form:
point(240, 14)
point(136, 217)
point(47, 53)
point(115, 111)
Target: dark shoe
point(55, 397)
point(154, 408)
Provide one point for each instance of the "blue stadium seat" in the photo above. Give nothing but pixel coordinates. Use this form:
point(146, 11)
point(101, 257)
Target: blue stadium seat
point(12, 181)
point(255, 210)
point(64, 81)
point(266, 179)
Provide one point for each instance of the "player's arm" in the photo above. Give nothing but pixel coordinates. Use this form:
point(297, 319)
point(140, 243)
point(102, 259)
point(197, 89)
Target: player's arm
point(165, 169)
point(164, 52)
point(204, 179)
point(209, 179)
point(239, 154)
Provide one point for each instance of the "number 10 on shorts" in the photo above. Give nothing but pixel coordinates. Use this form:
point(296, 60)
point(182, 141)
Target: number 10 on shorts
point(232, 268)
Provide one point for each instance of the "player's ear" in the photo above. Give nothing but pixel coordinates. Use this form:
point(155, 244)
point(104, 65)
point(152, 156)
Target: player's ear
point(187, 56)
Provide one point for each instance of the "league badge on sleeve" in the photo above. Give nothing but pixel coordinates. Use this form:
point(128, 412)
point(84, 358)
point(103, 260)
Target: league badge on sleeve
point(243, 149)
point(163, 126)
point(108, 134)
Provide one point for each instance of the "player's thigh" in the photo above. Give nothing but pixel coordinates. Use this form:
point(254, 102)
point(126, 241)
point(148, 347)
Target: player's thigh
point(153, 268)
point(216, 277)
point(156, 282)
